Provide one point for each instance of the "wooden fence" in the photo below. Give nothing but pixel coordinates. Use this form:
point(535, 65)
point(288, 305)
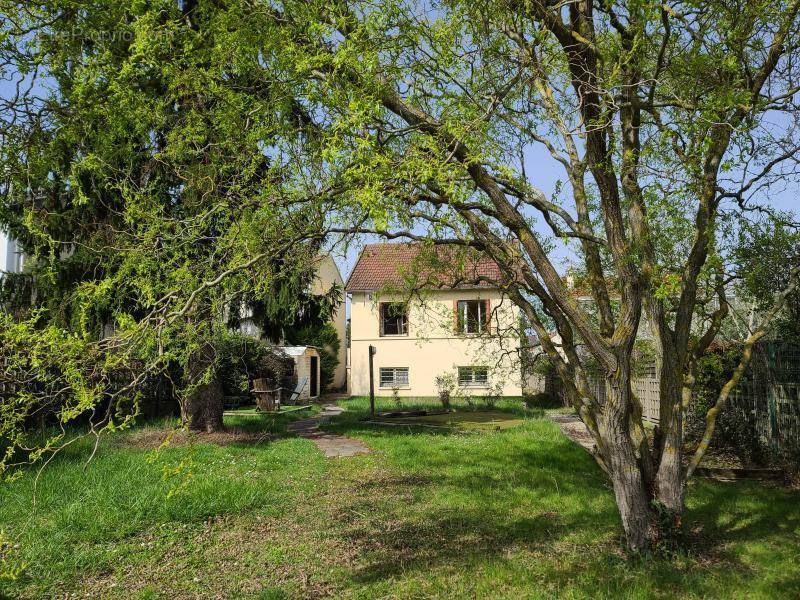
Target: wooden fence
point(769, 404)
point(646, 389)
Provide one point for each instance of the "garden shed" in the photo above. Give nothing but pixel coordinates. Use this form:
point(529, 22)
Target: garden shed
point(306, 365)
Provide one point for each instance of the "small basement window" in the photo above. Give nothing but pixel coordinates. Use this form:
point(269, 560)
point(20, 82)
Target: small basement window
point(473, 316)
point(394, 377)
point(473, 376)
point(394, 318)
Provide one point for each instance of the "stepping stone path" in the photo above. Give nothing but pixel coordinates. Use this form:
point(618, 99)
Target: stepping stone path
point(574, 429)
point(331, 445)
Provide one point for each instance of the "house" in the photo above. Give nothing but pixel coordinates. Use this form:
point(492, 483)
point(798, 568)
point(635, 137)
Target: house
point(457, 322)
point(326, 277)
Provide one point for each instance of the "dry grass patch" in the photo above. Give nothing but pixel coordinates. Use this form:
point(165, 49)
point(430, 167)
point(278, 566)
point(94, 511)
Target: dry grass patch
point(150, 438)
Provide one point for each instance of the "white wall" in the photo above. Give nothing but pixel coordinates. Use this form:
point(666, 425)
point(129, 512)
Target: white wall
point(10, 260)
point(3, 251)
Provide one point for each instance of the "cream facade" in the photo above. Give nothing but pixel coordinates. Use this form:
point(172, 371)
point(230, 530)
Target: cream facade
point(328, 275)
point(433, 344)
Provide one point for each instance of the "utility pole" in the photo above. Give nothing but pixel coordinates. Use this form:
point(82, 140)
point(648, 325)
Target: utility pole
point(372, 351)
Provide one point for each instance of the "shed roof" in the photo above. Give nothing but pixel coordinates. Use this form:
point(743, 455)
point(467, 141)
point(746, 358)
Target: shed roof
point(297, 350)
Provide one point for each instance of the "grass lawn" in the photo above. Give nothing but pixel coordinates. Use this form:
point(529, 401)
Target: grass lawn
point(515, 513)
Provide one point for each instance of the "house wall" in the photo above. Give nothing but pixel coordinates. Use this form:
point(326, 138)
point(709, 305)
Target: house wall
point(328, 275)
point(432, 347)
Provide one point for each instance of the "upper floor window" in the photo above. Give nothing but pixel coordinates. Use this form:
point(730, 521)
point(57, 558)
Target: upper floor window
point(472, 316)
point(394, 318)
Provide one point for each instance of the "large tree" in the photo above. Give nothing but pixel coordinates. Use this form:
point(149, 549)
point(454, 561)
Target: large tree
point(662, 118)
point(153, 172)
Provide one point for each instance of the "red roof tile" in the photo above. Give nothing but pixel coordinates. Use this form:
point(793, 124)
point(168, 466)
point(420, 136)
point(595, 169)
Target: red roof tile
point(382, 266)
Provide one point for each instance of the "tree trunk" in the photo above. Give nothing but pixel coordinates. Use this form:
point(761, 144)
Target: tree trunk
point(668, 488)
point(630, 489)
point(203, 406)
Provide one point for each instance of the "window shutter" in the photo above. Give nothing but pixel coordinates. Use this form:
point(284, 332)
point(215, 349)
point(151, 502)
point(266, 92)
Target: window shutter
point(487, 315)
point(455, 317)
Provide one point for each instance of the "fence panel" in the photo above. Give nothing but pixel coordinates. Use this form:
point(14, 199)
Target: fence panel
point(769, 401)
point(648, 392)
point(773, 409)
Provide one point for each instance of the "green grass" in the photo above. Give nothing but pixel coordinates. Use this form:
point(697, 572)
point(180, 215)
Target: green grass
point(516, 513)
point(510, 404)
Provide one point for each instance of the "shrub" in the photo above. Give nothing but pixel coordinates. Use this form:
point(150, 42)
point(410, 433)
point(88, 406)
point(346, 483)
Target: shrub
point(396, 397)
point(445, 385)
point(493, 394)
point(735, 429)
point(240, 359)
point(541, 400)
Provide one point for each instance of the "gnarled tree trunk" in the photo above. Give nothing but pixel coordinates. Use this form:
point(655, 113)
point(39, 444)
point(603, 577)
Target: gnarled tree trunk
point(669, 480)
point(631, 491)
point(203, 407)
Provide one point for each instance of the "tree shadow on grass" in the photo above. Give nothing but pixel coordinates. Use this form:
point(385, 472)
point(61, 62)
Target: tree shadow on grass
point(78, 444)
point(446, 506)
point(396, 547)
point(512, 406)
point(571, 507)
point(724, 517)
point(457, 423)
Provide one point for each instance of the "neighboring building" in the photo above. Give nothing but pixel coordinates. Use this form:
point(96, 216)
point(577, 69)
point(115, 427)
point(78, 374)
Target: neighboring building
point(470, 330)
point(11, 257)
point(328, 275)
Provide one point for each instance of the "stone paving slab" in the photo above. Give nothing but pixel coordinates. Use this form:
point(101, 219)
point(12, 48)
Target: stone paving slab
point(331, 445)
point(334, 446)
point(574, 429)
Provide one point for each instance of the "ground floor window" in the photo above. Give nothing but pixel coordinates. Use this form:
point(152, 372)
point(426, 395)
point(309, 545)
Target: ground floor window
point(473, 376)
point(394, 377)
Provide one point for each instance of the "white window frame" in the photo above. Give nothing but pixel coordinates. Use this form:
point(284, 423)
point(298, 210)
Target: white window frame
point(472, 382)
point(462, 307)
point(394, 380)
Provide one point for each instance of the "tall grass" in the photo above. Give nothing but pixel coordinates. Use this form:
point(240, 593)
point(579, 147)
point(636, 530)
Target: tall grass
point(521, 512)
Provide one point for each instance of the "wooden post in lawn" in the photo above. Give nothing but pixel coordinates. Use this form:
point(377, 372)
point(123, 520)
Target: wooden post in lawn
point(372, 351)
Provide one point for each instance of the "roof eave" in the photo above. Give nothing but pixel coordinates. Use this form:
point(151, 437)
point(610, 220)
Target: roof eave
point(443, 288)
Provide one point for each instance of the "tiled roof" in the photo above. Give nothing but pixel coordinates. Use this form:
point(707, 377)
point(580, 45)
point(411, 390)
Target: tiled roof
point(382, 266)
